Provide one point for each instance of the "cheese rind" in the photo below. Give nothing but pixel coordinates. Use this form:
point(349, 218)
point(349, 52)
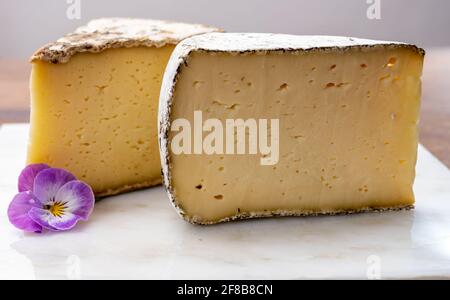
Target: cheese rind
point(94, 101)
point(348, 111)
point(102, 34)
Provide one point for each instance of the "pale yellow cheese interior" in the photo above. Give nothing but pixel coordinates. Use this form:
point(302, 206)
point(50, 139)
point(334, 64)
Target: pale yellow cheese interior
point(96, 116)
point(348, 131)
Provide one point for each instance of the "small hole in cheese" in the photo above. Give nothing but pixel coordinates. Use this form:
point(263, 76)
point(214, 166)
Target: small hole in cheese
point(392, 61)
point(283, 87)
point(196, 83)
point(218, 197)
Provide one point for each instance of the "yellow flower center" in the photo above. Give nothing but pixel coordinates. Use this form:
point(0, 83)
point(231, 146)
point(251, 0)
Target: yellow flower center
point(57, 209)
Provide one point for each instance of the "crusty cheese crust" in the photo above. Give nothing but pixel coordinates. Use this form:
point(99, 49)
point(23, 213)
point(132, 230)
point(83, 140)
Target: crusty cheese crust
point(101, 34)
point(294, 213)
point(242, 44)
point(128, 188)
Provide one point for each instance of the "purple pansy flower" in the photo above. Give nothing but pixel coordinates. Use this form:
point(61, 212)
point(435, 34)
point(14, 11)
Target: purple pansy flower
point(49, 198)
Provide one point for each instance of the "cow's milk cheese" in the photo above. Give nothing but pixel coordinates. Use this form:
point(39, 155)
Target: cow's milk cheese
point(94, 101)
point(345, 112)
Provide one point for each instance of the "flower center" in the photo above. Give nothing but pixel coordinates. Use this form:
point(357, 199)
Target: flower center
point(57, 209)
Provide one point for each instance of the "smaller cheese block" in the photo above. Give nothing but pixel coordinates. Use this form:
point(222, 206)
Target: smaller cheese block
point(94, 101)
point(347, 112)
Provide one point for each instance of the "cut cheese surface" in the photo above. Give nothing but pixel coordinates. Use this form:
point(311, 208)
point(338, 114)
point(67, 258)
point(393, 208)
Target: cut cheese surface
point(347, 110)
point(99, 119)
point(95, 101)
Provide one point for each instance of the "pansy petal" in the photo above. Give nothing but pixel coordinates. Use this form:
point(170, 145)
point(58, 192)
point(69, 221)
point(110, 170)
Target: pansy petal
point(48, 182)
point(77, 197)
point(18, 210)
point(42, 217)
point(55, 223)
point(65, 222)
point(26, 177)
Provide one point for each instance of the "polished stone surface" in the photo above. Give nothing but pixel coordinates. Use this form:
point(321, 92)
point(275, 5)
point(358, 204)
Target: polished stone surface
point(139, 235)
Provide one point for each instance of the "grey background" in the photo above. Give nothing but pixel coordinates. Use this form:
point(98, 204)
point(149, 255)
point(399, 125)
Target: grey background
point(28, 24)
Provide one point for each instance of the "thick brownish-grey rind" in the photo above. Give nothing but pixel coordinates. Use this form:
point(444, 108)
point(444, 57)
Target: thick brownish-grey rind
point(101, 34)
point(268, 214)
point(128, 188)
point(243, 44)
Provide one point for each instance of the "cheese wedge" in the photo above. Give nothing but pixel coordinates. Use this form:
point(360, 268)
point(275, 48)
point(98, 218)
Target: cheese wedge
point(347, 111)
point(94, 101)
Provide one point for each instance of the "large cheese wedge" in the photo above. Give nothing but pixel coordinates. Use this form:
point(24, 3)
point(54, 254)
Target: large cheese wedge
point(347, 112)
point(94, 101)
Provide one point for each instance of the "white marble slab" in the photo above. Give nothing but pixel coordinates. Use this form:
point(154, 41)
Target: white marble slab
point(139, 235)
